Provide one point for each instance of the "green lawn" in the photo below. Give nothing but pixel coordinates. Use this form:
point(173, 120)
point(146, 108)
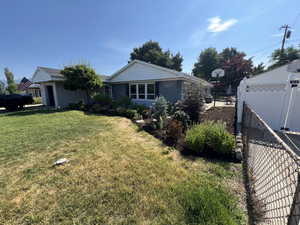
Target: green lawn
point(116, 175)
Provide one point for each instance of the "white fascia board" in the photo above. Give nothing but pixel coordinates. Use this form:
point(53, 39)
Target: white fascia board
point(165, 72)
point(144, 81)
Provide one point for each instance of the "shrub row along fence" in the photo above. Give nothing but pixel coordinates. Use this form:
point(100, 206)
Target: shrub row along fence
point(272, 174)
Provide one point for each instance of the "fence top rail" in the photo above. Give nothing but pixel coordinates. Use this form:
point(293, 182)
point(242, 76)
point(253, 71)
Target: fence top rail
point(295, 157)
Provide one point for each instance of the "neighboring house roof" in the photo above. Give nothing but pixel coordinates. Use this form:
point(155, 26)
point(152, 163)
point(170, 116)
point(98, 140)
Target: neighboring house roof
point(34, 86)
point(51, 74)
point(104, 77)
point(172, 74)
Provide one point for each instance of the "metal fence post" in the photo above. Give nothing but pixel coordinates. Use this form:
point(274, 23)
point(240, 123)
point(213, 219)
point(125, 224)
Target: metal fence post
point(294, 216)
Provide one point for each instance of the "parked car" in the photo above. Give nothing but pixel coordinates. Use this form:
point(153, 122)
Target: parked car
point(208, 99)
point(15, 101)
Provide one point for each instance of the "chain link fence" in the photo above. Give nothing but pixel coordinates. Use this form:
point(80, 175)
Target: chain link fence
point(272, 174)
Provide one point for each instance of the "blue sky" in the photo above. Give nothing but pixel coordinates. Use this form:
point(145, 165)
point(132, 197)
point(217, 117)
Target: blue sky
point(55, 33)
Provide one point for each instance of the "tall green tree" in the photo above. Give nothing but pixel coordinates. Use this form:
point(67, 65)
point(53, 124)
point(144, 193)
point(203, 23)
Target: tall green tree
point(11, 85)
point(2, 88)
point(234, 63)
point(152, 52)
point(236, 66)
point(208, 60)
point(81, 77)
point(177, 60)
point(280, 58)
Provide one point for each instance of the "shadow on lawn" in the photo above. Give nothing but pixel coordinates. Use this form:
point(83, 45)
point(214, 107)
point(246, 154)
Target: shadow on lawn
point(224, 160)
point(29, 112)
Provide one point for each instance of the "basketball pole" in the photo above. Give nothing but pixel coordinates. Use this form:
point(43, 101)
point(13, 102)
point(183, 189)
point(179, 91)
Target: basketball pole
point(217, 80)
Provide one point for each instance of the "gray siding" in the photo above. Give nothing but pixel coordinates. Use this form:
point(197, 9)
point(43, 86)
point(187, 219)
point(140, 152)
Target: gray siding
point(119, 90)
point(65, 97)
point(171, 90)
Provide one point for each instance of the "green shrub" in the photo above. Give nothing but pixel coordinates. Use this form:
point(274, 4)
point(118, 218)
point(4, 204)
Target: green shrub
point(102, 99)
point(210, 138)
point(132, 114)
point(192, 103)
point(139, 108)
point(208, 204)
point(98, 108)
point(182, 117)
point(77, 106)
point(37, 100)
point(160, 108)
point(120, 111)
point(124, 102)
point(174, 131)
point(129, 113)
point(142, 110)
point(171, 108)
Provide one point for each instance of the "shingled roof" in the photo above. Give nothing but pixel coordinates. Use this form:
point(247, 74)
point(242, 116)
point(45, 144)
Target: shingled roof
point(52, 72)
point(55, 73)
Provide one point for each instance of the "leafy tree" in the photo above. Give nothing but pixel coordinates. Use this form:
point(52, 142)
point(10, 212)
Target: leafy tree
point(152, 52)
point(192, 103)
point(2, 88)
point(208, 60)
point(11, 85)
point(236, 66)
point(280, 58)
point(81, 77)
point(177, 62)
point(234, 63)
point(260, 68)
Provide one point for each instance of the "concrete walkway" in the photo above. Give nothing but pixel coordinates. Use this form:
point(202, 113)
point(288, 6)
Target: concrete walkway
point(218, 104)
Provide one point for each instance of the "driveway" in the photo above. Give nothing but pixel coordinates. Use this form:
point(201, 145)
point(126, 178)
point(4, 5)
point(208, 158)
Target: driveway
point(218, 104)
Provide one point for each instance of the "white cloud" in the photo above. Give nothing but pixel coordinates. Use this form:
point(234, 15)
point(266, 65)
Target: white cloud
point(217, 25)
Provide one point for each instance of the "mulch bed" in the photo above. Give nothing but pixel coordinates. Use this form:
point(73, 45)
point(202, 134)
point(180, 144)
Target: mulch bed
point(225, 114)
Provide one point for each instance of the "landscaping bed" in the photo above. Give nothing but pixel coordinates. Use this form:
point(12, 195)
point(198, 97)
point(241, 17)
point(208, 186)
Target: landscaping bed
point(225, 114)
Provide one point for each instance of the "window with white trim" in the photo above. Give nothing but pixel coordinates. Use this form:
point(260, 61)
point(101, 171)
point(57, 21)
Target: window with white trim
point(142, 91)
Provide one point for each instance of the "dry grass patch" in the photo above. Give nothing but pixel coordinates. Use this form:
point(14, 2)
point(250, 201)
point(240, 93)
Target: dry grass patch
point(116, 175)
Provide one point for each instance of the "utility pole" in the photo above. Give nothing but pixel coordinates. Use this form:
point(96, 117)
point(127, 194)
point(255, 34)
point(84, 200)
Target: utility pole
point(285, 36)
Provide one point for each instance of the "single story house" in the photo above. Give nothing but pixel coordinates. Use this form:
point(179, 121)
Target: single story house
point(274, 95)
point(52, 88)
point(34, 90)
point(140, 81)
point(27, 87)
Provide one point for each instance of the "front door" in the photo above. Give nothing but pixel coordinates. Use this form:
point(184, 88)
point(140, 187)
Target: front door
point(51, 101)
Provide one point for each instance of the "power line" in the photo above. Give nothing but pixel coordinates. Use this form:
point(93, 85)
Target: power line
point(265, 48)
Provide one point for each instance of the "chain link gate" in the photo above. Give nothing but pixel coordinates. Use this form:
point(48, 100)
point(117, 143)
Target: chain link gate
point(272, 173)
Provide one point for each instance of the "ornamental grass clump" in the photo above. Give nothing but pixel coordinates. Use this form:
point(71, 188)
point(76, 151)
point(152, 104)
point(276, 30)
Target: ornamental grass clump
point(210, 139)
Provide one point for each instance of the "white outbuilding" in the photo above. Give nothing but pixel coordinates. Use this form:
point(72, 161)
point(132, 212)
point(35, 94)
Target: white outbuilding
point(52, 88)
point(274, 96)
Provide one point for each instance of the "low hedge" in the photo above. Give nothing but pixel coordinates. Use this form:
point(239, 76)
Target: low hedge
point(37, 100)
point(211, 139)
point(15, 101)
